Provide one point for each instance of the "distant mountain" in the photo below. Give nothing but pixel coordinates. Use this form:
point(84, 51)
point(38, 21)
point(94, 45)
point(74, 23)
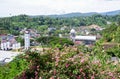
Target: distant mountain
point(77, 14)
point(67, 15)
point(111, 13)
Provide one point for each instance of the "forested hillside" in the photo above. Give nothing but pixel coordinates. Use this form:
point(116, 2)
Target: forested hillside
point(15, 23)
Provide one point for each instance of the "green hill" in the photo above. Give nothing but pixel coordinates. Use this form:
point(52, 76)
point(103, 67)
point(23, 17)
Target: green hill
point(15, 23)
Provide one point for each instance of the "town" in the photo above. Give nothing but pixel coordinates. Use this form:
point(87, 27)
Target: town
point(60, 39)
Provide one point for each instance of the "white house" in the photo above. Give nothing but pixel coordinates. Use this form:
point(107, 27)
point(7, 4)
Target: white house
point(9, 42)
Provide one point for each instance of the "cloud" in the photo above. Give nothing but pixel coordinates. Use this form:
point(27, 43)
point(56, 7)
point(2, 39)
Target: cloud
point(111, 0)
point(40, 7)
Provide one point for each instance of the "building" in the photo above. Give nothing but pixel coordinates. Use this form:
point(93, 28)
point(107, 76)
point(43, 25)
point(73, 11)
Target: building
point(87, 40)
point(9, 42)
point(27, 39)
point(77, 39)
point(72, 35)
point(33, 33)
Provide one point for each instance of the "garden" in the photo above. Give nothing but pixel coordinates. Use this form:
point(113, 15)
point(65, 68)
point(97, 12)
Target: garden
point(71, 62)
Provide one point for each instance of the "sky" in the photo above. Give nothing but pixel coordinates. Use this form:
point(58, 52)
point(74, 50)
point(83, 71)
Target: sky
point(48, 7)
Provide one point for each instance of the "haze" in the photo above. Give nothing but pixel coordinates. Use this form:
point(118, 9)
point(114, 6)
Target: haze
point(48, 7)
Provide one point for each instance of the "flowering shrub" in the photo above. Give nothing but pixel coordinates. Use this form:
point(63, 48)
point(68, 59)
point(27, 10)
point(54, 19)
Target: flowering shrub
point(69, 63)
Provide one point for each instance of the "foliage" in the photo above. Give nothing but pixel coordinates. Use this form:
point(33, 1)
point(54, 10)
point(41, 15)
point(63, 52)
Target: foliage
point(41, 23)
point(21, 40)
point(37, 63)
point(69, 63)
point(55, 41)
point(10, 70)
point(115, 51)
point(111, 34)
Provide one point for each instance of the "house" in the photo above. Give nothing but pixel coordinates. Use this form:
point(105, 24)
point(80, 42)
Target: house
point(9, 42)
point(33, 33)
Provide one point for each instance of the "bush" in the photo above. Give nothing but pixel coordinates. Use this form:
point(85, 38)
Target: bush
point(115, 51)
point(70, 63)
point(55, 41)
point(10, 70)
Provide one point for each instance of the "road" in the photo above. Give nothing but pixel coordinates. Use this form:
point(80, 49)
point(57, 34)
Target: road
point(7, 56)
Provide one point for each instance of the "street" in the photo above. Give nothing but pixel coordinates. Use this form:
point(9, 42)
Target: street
point(7, 56)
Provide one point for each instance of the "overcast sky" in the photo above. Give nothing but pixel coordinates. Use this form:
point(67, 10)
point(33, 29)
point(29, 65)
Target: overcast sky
point(46, 7)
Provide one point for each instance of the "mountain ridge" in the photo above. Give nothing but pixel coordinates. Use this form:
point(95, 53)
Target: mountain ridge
point(79, 14)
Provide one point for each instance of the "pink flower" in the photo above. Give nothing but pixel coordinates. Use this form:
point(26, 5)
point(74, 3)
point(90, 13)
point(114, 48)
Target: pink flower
point(36, 73)
point(57, 59)
point(82, 60)
point(81, 69)
point(36, 77)
point(67, 65)
point(56, 64)
point(78, 77)
point(113, 78)
point(85, 78)
point(93, 77)
point(54, 72)
point(52, 77)
point(58, 78)
point(110, 74)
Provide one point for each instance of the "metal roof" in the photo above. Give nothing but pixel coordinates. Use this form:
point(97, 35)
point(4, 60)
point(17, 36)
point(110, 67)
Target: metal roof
point(92, 38)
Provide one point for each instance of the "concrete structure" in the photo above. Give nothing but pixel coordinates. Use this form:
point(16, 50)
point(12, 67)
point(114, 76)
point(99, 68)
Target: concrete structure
point(27, 40)
point(90, 38)
point(72, 34)
point(87, 40)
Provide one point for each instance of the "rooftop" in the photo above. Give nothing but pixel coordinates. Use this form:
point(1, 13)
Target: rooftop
point(92, 38)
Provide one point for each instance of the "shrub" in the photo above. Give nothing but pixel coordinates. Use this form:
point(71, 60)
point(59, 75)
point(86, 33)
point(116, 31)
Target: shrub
point(55, 42)
point(115, 51)
point(10, 70)
point(69, 63)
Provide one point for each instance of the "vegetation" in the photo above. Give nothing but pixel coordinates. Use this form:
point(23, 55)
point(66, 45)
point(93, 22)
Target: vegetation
point(111, 34)
point(55, 42)
point(115, 51)
point(10, 70)
point(63, 60)
point(69, 62)
point(41, 23)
